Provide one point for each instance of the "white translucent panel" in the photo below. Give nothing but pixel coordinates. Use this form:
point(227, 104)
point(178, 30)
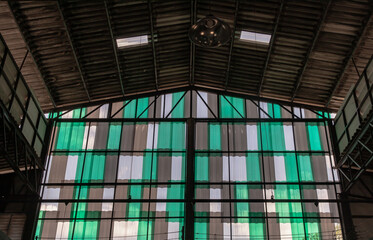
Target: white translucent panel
point(226, 231)
point(324, 207)
point(240, 231)
point(107, 194)
point(49, 207)
point(296, 112)
point(215, 193)
point(67, 115)
point(252, 137)
point(167, 104)
point(62, 230)
point(103, 111)
point(225, 169)
point(132, 41)
point(10, 70)
point(173, 230)
point(285, 230)
point(263, 110)
point(328, 168)
point(51, 193)
point(28, 131)
point(289, 137)
point(125, 230)
point(202, 110)
point(335, 171)
point(332, 115)
point(85, 137)
point(176, 167)
point(255, 37)
point(238, 168)
point(130, 167)
point(280, 171)
point(161, 194)
point(91, 137)
point(5, 91)
point(72, 162)
point(149, 137)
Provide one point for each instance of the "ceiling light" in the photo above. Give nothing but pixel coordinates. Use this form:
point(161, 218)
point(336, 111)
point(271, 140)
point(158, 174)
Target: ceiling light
point(132, 41)
point(210, 32)
point(255, 37)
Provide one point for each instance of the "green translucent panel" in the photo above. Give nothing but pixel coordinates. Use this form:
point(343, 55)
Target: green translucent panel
point(201, 229)
point(214, 137)
point(257, 228)
point(178, 111)
point(202, 168)
point(276, 111)
point(272, 136)
point(171, 136)
point(86, 229)
point(114, 136)
point(147, 166)
point(291, 167)
point(226, 109)
point(70, 136)
point(142, 104)
point(39, 226)
point(314, 136)
point(305, 168)
point(79, 167)
point(287, 192)
point(129, 110)
point(313, 229)
point(253, 167)
point(94, 167)
point(175, 191)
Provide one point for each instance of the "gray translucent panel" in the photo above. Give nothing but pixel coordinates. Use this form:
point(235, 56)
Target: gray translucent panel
point(5, 92)
point(38, 146)
point(309, 114)
point(249, 191)
point(104, 229)
point(286, 112)
point(237, 137)
point(48, 229)
point(115, 108)
point(211, 191)
point(248, 209)
point(2, 50)
point(97, 136)
point(136, 191)
point(343, 143)
point(138, 137)
point(315, 168)
point(320, 209)
point(131, 210)
point(57, 210)
point(16, 111)
point(286, 228)
point(324, 192)
point(60, 192)
point(280, 167)
point(209, 167)
point(252, 110)
point(200, 103)
point(310, 136)
point(164, 228)
point(42, 127)
point(354, 125)
point(211, 136)
point(10, 70)
point(22, 93)
point(28, 131)
point(350, 109)
point(361, 89)
point(166, 209)
point(339, 126)
point(32, 111)
point(97, 112)
point(172, 191)
point(212, 209)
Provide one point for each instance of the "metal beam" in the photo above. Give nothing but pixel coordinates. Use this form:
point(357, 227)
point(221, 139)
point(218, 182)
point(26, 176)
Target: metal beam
point(153, 43)
point(114, 46)
point(193, 18)
point(231, 45)
point(23, 33)
point(271, 46)
point(320, 23)
point(73, 48)
point(353, 49)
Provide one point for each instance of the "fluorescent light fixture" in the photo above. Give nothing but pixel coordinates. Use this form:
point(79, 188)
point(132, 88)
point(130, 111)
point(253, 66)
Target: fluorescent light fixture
point(132, 41)
point(255, 37)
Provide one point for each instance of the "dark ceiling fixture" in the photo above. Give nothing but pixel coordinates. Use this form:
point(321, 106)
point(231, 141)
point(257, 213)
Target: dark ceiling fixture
point(210, 32)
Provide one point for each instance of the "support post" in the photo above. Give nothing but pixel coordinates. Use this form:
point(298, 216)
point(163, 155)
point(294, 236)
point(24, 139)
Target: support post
point(189, 190)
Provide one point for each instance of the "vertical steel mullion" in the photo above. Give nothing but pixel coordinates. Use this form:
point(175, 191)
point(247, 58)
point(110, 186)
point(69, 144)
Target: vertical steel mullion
point(189, 189)
point(116, 178)
point(229, 181)
point(299, 179)
point(81, 179)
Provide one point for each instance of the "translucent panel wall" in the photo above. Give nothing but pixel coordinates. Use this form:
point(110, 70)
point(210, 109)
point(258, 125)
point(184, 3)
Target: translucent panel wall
point(119, 171)
point(17, 99)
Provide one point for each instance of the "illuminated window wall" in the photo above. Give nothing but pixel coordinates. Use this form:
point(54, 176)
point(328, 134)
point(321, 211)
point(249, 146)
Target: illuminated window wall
point(122, 171)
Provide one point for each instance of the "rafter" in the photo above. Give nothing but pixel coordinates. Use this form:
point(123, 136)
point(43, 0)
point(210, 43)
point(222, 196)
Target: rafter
point(73, 49)
point(319, 25)
point(271, 46)
point(231, 45)
point(153, 43)
point(23, 33)
point(193, 18)
point(353, 49)
point(114, 45)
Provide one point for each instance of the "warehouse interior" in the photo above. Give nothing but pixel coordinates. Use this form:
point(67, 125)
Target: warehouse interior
point(121, 119)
